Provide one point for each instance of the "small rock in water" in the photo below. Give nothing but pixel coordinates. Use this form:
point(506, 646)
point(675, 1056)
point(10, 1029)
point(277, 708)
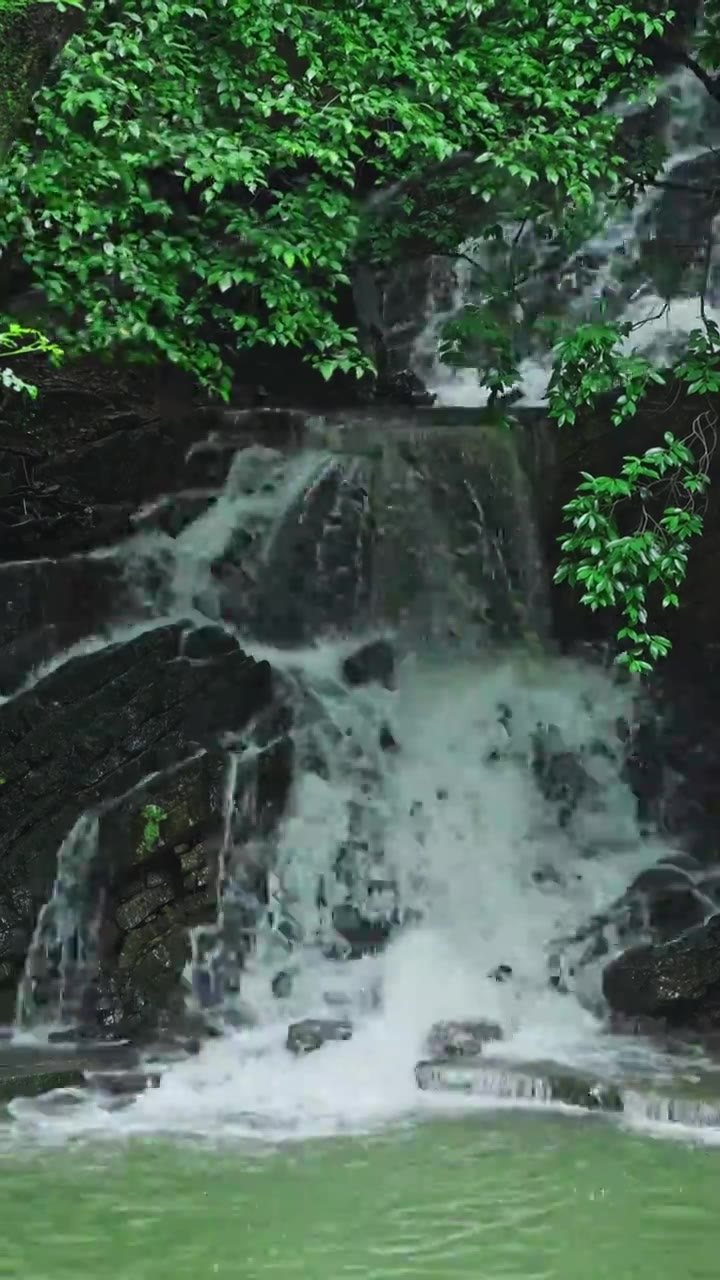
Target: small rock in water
point(461, 1039)
point(374, 662)
point(313, 1033)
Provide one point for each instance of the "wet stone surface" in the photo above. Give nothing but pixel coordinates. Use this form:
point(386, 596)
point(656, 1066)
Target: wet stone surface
point(312, 1033)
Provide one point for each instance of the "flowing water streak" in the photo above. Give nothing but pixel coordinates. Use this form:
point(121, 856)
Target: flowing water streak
point(62, 956)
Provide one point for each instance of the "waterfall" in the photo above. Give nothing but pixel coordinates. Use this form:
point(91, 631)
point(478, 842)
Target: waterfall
point(457, 803)
point(421, 540)
point(644, 264)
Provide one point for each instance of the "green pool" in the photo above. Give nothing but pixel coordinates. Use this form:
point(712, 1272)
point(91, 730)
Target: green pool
point(487, 1196)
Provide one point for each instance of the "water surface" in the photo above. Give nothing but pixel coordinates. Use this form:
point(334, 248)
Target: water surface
point(517, 1196)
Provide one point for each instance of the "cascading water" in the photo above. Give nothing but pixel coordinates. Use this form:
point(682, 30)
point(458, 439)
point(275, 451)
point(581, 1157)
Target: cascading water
point(646, 265)
point(423, 871)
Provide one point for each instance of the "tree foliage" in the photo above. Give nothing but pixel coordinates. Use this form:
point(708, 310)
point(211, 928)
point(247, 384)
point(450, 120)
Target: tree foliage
point(198, 176)
point(15, 342)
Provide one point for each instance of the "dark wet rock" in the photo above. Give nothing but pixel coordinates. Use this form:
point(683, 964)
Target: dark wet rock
point(502, 973)
point(373, 663)
point(313, 1033)
point(461, 1039)
point(87, 738)
point(677, 980)
point(541, 1082)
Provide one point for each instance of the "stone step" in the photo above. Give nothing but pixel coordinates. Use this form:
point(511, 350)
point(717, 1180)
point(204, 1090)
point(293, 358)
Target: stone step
point(494, 1078)
point(690, 1101)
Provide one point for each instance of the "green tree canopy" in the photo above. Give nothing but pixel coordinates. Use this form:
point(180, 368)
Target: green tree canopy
point(197, 176)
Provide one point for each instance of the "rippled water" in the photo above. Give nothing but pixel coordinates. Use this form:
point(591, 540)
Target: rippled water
point(526, 1197)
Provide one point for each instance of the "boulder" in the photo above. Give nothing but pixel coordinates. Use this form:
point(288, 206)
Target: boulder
point(661, 903)
point(677, 980)
point(312, 1033)
point(461, 1039)
point(133, 734)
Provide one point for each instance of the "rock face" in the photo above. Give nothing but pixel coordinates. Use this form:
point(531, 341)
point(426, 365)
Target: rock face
point(678, 981)
point(131, 733)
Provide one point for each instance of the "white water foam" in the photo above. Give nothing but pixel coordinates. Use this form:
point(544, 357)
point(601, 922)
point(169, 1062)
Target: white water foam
point(464, 833)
